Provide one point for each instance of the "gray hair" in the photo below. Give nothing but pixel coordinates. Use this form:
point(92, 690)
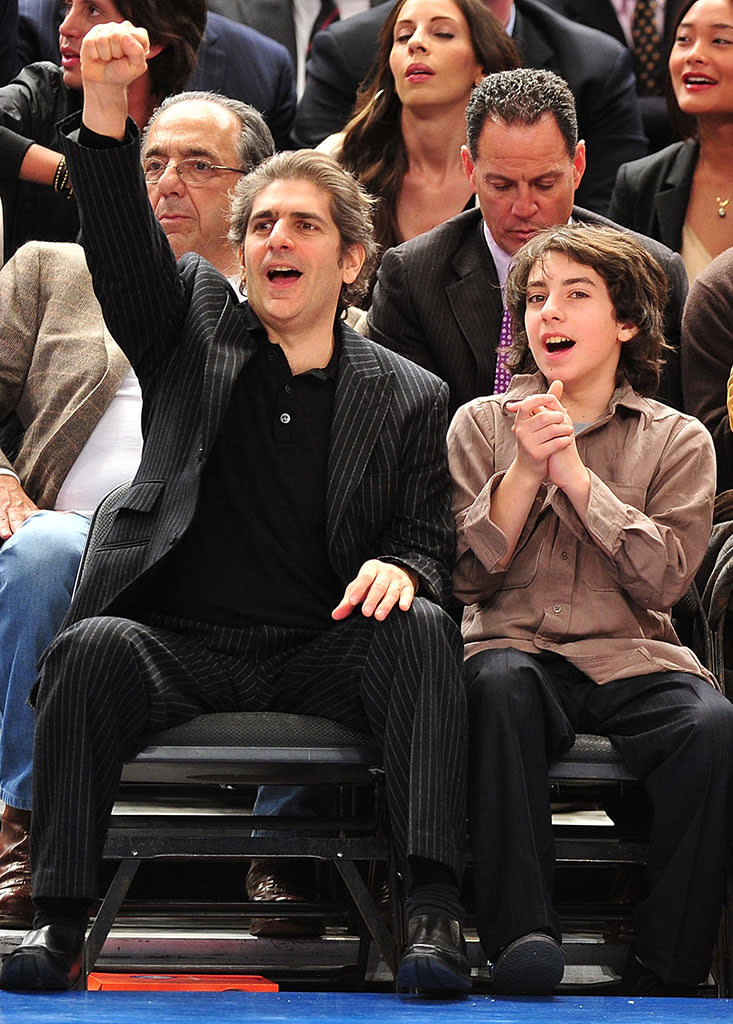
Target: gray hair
point(255, 142)
point(522, 96)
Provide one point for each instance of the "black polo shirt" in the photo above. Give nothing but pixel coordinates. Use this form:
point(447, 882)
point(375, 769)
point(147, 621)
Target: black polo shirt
point(256, 549)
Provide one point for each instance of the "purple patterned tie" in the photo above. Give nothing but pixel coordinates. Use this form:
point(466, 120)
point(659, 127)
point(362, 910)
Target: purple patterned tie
point(503, 377)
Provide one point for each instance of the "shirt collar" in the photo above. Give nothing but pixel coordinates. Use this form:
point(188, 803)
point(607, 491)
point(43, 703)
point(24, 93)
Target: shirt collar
point(524, 384)
point(502, 259)
point(255, 326)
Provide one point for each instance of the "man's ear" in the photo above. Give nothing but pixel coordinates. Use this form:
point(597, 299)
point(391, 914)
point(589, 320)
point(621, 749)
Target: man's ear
point(352, 260)
point(469, 168)
point(579, 162)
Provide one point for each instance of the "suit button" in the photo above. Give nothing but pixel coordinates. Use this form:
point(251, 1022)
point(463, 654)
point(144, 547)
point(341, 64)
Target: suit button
point(285, 417)
point(557, 608)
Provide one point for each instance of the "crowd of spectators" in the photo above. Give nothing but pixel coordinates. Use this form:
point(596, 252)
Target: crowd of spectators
point(526, 204)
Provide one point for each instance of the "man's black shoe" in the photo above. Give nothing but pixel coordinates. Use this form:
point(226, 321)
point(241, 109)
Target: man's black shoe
point(532, 965)
point(640, 980)
point(435, 959)
point(46, 960)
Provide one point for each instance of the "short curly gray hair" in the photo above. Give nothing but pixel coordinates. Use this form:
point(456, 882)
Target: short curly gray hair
point(350, 206)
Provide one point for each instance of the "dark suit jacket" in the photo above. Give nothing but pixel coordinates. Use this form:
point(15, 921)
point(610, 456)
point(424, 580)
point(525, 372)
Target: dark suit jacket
point(437, 301)
point(237, 61)
point(651, 195)
point(272, 17)
point(233, 60)
point(597, 69)
point(600, 14)
point(9, 63)
point(182, 328)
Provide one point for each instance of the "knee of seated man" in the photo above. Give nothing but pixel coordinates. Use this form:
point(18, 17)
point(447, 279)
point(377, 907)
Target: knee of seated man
point(94, 651)
point(427, 620)
point(46, 549)
point(501, 679)
point(711, 725)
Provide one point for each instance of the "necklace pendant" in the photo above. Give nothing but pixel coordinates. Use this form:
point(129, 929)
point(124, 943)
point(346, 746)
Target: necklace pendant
point(722, 204)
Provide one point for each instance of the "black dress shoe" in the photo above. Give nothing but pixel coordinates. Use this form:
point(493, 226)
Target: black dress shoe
point(640, 980)
point(532, 965)
point(277, 880)
point(435, 958)
point(46, 960)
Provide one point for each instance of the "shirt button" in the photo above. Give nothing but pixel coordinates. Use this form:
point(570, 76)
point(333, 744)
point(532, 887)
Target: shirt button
point(288, 389)
point(285, 417)
point(557, 608)
point(564, 554)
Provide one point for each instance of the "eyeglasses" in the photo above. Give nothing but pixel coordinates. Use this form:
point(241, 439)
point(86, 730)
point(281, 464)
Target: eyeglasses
point(193, 171)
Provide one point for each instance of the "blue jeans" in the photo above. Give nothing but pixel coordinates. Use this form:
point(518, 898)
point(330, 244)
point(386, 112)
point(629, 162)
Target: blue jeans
point(38, 566)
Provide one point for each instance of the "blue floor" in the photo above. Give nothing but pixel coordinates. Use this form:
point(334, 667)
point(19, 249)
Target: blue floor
point(303, 1008)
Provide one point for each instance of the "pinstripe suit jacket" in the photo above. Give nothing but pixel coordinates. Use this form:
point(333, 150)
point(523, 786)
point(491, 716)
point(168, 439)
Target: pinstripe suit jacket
point(388, 492)
point(59, 366)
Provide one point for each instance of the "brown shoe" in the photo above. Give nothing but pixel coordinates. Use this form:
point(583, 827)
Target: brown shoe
point(282, 881)
point(16, 906)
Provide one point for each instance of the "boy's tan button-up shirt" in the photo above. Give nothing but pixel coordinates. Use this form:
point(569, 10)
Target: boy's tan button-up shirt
point(596, 589)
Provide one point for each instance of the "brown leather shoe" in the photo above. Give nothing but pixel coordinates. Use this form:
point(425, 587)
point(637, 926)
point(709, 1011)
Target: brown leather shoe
point(282, 881)
point(16, 906)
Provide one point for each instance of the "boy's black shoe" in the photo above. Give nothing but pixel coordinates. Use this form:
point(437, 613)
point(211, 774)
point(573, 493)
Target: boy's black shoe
point(532, 965)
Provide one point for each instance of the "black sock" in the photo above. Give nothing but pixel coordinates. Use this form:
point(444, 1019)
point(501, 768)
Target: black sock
point(69, 917)
point(433, 889)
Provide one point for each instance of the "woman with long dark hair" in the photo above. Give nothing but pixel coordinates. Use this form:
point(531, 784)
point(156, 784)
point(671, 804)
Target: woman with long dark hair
point(403, 142)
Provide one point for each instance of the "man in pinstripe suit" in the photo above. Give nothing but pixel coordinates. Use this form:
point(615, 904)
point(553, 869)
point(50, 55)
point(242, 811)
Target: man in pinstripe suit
point(285, 544)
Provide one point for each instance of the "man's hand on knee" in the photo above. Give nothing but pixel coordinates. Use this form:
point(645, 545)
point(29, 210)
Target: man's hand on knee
point(15, 505)
point(378, 587)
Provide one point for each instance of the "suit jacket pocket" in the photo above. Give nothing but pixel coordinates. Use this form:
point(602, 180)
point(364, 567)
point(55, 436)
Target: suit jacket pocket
point(135, 514)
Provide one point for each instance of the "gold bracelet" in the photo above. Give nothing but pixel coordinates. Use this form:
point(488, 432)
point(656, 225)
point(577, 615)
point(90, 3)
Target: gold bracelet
point(61, 179)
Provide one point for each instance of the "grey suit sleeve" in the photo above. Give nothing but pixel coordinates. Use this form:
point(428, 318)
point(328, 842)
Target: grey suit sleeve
point(610, 122)
point(707, 354)
point(330, 92)
point(670, 388)
point(621, 206)
point(392, 319)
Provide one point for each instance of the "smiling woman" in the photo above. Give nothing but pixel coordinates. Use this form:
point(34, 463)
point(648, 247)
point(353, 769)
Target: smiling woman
point(403, 143)
point(35, 188)
point(682, 195)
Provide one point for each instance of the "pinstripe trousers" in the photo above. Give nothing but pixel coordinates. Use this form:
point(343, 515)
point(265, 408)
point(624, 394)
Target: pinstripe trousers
point(106, 681)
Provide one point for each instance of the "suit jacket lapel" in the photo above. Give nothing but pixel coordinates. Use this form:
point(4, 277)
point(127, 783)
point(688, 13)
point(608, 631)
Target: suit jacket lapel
point(475, 300)
point(231, 347)
point(670, 203)
point(363, 394)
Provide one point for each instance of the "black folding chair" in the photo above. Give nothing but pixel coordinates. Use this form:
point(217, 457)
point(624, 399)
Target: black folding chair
point(229, 754)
